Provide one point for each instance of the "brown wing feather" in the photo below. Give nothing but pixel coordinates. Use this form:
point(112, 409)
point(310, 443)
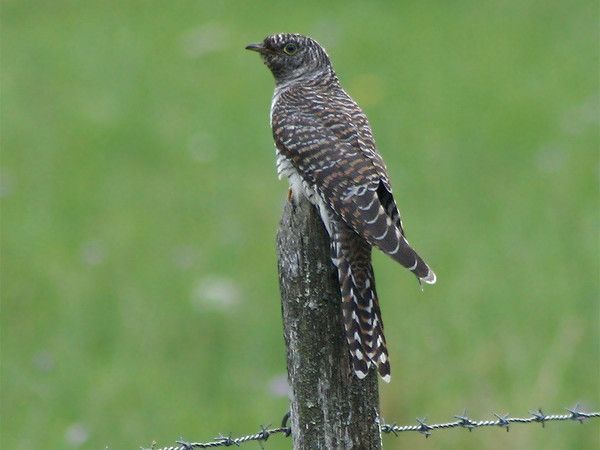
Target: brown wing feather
point(328, 140)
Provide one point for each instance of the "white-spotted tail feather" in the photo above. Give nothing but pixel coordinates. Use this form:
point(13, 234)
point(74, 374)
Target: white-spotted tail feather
point(360, 305)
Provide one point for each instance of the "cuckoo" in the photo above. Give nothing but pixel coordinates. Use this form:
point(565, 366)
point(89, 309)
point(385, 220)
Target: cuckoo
point(325, 148)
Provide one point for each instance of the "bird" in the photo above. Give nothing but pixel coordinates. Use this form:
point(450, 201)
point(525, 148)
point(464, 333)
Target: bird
point(325, 148)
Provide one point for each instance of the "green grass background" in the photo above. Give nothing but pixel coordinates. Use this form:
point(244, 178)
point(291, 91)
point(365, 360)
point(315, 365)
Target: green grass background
point(140, 204)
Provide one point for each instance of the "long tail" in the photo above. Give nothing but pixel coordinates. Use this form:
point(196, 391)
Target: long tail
point(379, 223)
point(362, 316)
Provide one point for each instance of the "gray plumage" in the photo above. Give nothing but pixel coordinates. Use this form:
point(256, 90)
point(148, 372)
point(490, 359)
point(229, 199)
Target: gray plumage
point(325, 147)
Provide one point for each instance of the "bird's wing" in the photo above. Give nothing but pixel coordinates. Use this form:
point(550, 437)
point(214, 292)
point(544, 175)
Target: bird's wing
point(368, 148)
point(328, 141)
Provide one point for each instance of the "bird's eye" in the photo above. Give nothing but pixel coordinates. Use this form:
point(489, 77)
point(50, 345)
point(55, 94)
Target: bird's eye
point(290, 49)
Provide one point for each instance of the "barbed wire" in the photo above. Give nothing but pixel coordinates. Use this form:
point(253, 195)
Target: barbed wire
point(502, 420)
point(462, 421)
point(227, 441)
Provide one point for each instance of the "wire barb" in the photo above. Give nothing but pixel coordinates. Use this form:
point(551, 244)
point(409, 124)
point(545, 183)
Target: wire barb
point(462, 421)
point(465, 422)
point(503, 421)
point(539, 416)
point(185, 444)
point(423, 427)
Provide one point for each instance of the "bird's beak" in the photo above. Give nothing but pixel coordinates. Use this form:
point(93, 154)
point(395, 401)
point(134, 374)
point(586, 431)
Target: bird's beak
point(259, 47)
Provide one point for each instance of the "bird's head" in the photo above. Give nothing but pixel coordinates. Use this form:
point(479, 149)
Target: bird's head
point(293, 57)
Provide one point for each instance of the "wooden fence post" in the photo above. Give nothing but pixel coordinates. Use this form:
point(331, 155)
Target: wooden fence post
point(330, 407)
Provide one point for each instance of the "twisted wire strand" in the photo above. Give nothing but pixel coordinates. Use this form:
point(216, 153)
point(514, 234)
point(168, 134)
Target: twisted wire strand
point(462, 421)
point(504, 421)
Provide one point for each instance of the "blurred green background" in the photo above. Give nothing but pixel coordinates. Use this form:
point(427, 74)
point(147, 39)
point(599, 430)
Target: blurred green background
point(140, 204)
